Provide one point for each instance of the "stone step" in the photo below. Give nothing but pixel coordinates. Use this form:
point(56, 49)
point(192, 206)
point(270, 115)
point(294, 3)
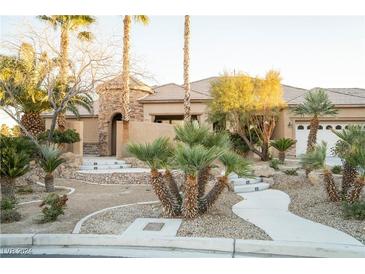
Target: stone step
point(245, 181)
point(251, 188)
point(104, 167)
point(102, 162)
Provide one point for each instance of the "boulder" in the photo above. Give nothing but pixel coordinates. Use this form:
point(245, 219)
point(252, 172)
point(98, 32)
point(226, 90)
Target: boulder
point(314, 178)
point(263, 171)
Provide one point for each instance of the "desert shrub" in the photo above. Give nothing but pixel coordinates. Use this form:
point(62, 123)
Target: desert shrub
point(274, 163)
point(52, 207)
point(354, 210)
point(291, 172)
point(336, 169)
point(24, 190)
point(69, 136)
point(8, 211)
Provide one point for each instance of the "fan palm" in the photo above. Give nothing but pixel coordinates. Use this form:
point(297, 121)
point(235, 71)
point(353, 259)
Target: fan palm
point(282, 145)
point(155, 155)
point(350, 138)
point(127, 22)
point(191, 133)
point(316, 159)
point(187, 107)
point(68, 24)
point(50, 160)
point(191, 160)
point(316, 104)
point(358, 158)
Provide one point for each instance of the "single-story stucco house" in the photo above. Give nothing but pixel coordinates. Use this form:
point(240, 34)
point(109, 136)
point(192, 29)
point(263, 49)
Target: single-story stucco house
point(162, 106)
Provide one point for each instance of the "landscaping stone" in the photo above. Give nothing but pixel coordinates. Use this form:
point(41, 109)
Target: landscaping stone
point(314, 178)
point(263, 171)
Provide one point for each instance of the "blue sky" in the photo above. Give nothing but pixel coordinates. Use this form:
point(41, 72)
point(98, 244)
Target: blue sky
point(309, 51)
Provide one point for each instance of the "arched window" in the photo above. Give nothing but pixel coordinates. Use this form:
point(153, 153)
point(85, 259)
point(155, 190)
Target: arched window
point(320, 127)
point(338, 127)
point(328, 127)
point(308, 127)
point(300, 127)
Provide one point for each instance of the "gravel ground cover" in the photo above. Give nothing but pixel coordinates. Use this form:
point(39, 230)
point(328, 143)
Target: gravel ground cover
point(34, 192)
point(311, 202)
point(220, 221)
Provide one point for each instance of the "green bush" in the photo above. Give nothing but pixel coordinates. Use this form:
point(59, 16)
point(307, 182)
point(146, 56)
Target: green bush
point(291, 172)
point(355, 210)
point(274, 163)
point(8, 211)
point(336, 169)
point(53, 206)
point(69, 136)
point(24, 190)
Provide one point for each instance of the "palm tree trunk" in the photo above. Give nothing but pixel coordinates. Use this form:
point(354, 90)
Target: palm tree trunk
point(125, 72)
point(312, 137)
point(331, 186)
point(163, 194)
point(212, 196)
point(282, 156)
point(173, 186)
point(348, 178)
point(33, 123)
point(190, 203)
point(356, 191)
point(187, 107)
point(61, 121)
point(49, 182)
point(7, 188)
point(203, 177)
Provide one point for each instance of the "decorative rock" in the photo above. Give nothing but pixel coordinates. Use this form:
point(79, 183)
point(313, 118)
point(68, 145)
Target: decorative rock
point(314, 178)
point(264, 171)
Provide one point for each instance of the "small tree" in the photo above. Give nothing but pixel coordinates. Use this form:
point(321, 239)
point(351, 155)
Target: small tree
point(282, 145)
point(50, 160)
point(249, 104)
point(316, 159)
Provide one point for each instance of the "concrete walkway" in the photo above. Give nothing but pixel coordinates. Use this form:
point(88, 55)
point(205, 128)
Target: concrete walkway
point(269, 210)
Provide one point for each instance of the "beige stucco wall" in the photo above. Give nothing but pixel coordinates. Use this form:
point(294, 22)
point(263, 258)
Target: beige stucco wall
point(151, 110)
point(141, 132)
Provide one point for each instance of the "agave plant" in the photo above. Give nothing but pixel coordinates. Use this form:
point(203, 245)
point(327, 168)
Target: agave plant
point(50, 160)
point(14, 162)
point(282, 145)
point(316, 159)
point(351, 139)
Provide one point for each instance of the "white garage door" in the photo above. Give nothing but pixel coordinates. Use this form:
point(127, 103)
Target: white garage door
point(324, 134)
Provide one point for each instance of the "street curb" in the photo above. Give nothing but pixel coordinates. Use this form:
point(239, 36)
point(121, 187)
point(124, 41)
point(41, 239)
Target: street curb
point(115, 245)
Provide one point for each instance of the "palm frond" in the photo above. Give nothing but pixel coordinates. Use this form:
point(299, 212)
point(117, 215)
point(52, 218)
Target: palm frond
point(50, 158)
point(191, 133)
point(144, 19)
point(316, 158)
point(235, 163)
point(283, 144)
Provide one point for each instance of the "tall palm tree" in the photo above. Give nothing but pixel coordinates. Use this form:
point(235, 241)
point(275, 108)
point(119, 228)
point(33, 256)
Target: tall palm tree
point(67, 24)
point(187, 107)
point(24, 75)
point(316, 104)
point(316, 159)
point(127, 22)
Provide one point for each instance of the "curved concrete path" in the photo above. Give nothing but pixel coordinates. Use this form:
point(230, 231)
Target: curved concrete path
point(269, 210)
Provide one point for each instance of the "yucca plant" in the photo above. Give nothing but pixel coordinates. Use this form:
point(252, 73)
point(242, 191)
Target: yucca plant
point(350, 139)
point(155, 155)
point(15, 153)
point(50, 160)
point(282, 145)
point(316, 159)
point(191, 160)
point(232, 163)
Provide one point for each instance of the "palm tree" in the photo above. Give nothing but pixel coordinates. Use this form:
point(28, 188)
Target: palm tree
point(316, 159)
point(67, 24)
point(359, 159)
point(187, 113)
point(127, 22)
point(50, 160)
point(14, 161)
point(191, 160)
point(282, 145)
point(233, 163)
point(155, 155)
point(316, 104)
point(24, 75)
point(350, 139)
